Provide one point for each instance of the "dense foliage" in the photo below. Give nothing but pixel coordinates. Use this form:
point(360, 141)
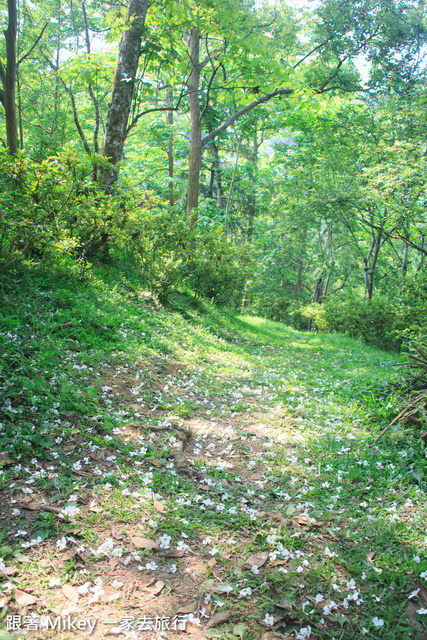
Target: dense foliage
point(270, 159)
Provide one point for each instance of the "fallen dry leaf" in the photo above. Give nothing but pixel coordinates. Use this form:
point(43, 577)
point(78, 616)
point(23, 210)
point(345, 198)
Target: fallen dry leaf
point(259, 559)
point(189, 608)
point(207, 608)
point(152, 461)
point(191, 627)
point(32, 506)
point(96, 509)
point(23, 598)
point(9, 571)
point(422, 594)
point(159, 506)
point(198, 566)
point(144, 543)
point(117, 535)
point(4, 458)
point(370, 555)
point(150, 583)
point(277, 563)
point(219, 618)
point(303, 522)
point(154, 590)
point(173, 553)
point(70, 592)
point(212, 563)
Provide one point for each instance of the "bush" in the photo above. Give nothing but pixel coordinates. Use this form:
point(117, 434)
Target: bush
point(373, 321)
point(53, 211)
point(172, 253)
point(217, 269)
point(411, 310)
point(50, 210)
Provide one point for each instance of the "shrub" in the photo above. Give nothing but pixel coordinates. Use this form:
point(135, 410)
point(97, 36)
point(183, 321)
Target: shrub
point(372, 321)
point(49, 209)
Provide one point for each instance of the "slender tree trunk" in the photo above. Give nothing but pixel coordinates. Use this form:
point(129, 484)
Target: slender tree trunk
point(405, 260)
point(211, 183)
point(90, 91)
point(227, 208)
point(369, 268)
point(123, 89)
point(218, 179)
point(421, 262)
point(252, 201)
point(405, 256)
point(195, 158)
point(329, 241)
point(21, 130)
point(300, 270)
point(10, 79)
point(331, 262)
point(170, 152)
point(318, 292)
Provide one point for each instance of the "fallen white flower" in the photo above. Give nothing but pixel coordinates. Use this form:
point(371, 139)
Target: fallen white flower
point(378, 622)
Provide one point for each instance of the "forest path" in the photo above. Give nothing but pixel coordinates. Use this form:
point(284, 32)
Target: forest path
point(225, 480)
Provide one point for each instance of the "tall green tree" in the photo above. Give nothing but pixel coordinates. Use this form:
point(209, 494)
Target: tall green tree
point(123, 91)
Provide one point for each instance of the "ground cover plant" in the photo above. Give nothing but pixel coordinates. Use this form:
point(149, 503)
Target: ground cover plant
point(184, 466)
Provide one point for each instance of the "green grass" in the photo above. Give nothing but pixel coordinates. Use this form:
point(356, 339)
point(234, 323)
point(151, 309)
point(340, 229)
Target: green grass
point(284, 424)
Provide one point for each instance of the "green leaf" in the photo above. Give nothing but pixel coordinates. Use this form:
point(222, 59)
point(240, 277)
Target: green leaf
point(239, 630)
point(20, 557)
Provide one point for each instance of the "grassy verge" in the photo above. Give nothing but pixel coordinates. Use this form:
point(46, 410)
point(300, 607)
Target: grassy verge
point(213, 470)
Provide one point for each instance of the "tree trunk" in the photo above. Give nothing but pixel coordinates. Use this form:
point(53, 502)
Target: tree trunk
point(329, 241)
point(369, 269)
point(252, 197)
point(301, 263)
point(227, 208)
point(218, 179)
point(9, 79)
point(318, 292)
point(195, 158)
point(123, 88)
point(91, 93)
point(405, 260)
point(21, 130)
point(170, 152)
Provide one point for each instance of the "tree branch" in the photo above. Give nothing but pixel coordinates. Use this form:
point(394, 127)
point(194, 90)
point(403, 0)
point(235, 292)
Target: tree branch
point(144, 113)
point(76, 118)
point(222, 127)
point(33, 46)
point(408, 241)
point(208, 91)
point(319, 46)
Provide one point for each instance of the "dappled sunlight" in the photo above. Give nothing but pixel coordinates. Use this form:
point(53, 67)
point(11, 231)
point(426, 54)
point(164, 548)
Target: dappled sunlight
point(190, 474)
